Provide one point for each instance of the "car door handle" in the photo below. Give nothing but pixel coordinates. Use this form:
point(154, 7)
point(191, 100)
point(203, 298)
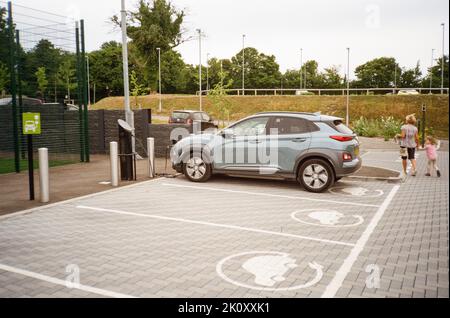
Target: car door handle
point(299, 140)
point(255, 141)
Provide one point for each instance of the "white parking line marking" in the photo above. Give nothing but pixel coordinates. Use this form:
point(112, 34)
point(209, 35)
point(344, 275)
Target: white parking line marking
point(226, 226)
point(267, 195)
point(345, 268)
point(56, 281)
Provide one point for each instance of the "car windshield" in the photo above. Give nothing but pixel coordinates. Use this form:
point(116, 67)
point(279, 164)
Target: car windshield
point(180, 115)
point(342, 128)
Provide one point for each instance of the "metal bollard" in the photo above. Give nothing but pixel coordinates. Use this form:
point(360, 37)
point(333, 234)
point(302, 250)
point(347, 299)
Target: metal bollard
point(151, 157)
point(114, 155)
point(43, 175)
point(197, 127)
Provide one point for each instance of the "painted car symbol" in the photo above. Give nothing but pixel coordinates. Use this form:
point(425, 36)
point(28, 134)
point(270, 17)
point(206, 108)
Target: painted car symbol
point(269, 269)
point(30, 126)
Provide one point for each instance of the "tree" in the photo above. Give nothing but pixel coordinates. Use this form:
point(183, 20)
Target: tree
point(218, 94)
point(437, 74)
point(411, 77)
point(106, 69)
point(261, 70)
point(331, 78)
point(66, 76)
point(155, 24)
point(42, 81)
point(45, 55)
point(4, 79)
point(137, 89)
point(377, 73)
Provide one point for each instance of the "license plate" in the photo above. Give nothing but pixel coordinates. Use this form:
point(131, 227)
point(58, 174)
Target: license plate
point(357, 151)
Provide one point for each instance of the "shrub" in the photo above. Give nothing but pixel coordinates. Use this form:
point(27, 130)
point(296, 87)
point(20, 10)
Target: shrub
point(386, 127)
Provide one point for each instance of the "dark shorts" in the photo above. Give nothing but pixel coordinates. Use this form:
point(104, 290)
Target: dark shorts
point(411, 153)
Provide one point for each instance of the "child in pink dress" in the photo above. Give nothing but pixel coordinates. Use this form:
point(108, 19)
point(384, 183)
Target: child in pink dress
point(431, 148)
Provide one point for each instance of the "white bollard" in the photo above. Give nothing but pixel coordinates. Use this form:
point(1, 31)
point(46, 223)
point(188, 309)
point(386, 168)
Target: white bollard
point(114, 155)
point(151, 157)
point(43, 175)
point(197, 127)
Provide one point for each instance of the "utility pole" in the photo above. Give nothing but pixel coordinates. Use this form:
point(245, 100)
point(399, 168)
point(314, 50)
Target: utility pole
point(126, 85)
point(200, 68)
point(347, 117)
point(301, 68)
point(207, 72)
point(243, 64)
point(159, 76)
point(431, 70)
point(443, 58)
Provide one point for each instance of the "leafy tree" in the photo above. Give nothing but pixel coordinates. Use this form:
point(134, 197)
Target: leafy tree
point(261, 70)
point(106, 69)
point(4, 78)
point(437, 74)
point(66, 76)
point(4, 38)
point(137, 89)
point(411, 77)
point(218, 94)
point(155, 24)
point(42, 81)
point(331, 78)
point(377, 73)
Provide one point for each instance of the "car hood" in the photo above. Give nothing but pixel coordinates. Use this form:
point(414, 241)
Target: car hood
point(200, 139)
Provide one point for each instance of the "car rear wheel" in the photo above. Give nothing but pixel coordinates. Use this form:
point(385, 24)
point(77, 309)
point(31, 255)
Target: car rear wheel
point(316, 175)
point(196, 169)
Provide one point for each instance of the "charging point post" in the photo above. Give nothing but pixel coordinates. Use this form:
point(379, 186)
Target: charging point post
point(31, 125)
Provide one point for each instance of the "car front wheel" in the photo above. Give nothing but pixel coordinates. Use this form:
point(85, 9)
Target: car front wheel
point(196, 169)
point(316, 175)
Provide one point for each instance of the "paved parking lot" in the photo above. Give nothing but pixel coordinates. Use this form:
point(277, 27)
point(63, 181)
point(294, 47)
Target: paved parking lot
point(234, 238)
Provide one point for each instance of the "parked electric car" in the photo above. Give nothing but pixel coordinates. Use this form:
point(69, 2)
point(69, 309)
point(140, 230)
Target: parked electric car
point(314, 149)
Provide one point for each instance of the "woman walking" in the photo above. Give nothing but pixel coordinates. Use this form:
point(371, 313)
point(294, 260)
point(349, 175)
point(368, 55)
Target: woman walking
point(409, 142)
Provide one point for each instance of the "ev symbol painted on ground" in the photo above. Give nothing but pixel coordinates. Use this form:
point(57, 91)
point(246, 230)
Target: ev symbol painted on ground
point(269, 271)
point(357, 192)
point(325, 217)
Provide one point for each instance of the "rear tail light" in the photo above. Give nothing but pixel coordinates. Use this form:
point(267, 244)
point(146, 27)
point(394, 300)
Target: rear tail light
point(347, 157)
point(189, 121)
point(342, 138)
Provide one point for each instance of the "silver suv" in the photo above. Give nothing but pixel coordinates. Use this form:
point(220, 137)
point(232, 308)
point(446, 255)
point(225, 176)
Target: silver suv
point(314, 149)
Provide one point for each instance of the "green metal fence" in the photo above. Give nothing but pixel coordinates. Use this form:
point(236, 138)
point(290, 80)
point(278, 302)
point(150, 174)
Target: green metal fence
point(42, 69)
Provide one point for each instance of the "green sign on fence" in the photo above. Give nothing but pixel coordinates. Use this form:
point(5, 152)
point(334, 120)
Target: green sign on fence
point(31, 123)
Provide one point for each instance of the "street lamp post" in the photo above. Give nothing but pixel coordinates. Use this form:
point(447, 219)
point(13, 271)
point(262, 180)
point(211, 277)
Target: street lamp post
point(159, 78)
point(301, 67)
point(431, 69)
point(243, 64)
point(207, 72)
point(200, 68)
point(347, 117)
point(126, 84)
point(443, 58)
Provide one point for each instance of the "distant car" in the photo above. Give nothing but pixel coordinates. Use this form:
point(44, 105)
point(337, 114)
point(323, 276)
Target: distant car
point(408, 92)
point(189, 116)
point(25, 100)
point(301, 92)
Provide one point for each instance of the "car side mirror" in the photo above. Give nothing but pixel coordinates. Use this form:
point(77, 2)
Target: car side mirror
point(227, 133)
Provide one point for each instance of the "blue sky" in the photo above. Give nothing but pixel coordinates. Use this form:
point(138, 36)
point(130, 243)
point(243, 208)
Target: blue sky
point(406, 30)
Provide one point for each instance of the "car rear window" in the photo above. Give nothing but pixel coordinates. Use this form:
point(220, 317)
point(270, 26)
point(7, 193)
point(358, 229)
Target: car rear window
point(180, 115)
point(339, 125)
point(290, 125)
